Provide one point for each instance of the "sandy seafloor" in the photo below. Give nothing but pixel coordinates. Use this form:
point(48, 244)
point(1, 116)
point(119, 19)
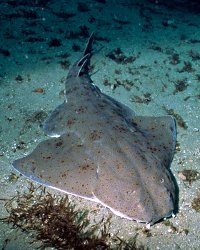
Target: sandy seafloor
point(153, 31)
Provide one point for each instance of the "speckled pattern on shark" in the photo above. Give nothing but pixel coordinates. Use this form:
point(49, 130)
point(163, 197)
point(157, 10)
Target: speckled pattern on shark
point(104, 152)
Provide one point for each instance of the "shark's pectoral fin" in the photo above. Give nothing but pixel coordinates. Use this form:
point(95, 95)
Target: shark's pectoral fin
point(160, 133)
point(62, 163)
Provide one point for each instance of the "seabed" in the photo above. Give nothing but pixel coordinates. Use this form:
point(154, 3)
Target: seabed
point(147, 55)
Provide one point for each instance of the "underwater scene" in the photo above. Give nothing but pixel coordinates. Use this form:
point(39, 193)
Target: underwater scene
point(100, 124)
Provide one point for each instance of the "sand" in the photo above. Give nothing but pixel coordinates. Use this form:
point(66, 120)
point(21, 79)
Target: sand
point(164, 78)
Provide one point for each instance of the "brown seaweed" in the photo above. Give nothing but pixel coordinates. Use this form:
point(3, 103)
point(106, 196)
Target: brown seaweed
point(189, 175)
point(55, 221)
point(118, 56)
point(196, 202)
point(179, 118)
point(180, 85)
point(187, 67)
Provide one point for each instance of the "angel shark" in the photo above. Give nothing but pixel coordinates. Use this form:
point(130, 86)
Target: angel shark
point(104, 152)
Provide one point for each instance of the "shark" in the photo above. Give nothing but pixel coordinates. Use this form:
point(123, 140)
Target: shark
point(100, 150)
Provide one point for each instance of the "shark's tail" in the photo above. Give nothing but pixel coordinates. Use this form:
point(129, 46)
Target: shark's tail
point(81, 66)
point(88, 48)
point(85, 60)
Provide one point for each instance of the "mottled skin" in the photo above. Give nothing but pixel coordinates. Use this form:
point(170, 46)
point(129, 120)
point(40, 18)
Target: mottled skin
point(105, 152)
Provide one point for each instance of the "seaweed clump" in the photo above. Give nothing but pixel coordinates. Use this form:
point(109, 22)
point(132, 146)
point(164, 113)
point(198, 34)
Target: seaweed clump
point(118, 56)
point(179, 119)
point(180, 85)
point(196, 203)
point(54, 220)
point(189, 175)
